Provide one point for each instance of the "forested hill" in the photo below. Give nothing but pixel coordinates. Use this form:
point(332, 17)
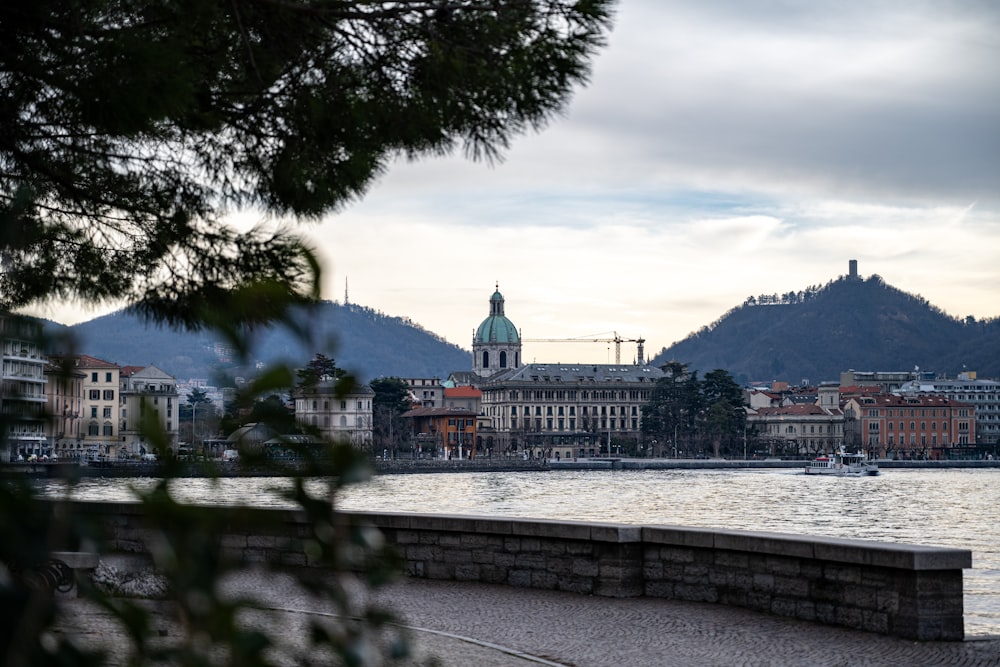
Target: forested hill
point(851, 323)
point(364, 341)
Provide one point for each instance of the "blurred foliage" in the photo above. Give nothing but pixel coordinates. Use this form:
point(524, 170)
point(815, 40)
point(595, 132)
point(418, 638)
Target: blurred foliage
point(185, 545)
point(129, 132)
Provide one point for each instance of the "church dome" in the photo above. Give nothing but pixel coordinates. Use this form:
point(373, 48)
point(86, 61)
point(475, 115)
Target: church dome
point(496, 328)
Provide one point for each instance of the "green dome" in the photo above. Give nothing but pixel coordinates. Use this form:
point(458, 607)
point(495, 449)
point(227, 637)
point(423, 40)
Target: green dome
point(496, 328)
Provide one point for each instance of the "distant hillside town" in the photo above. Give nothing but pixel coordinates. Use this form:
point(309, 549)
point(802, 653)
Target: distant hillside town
point(83, 407)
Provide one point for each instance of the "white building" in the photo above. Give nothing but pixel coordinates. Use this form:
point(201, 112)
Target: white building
point(22, 390)
point(147, 390)
point(344, 418)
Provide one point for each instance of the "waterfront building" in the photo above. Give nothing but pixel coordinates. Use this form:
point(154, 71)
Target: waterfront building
point(22, 389)
point(554, 410)
point(337, 416)
point(64, 397)
point(793, 426)
point(911, 427)
point(143, 390)
point(452, 431)
point(567, 410)
point(101, 386)
point(982, 395)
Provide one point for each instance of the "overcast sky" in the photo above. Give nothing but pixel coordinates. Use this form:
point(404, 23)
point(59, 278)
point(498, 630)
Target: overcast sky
point(721, 150)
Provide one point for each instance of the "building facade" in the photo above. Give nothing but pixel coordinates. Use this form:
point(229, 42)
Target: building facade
point(64, 395)
point(567, 411)
point(426, 392)
point(982, 395)
point(344, 418)
point(911, 427)
point(99, 428)
point(553, 410)
point(22, 389)
point(142, 391)
point(448, 431)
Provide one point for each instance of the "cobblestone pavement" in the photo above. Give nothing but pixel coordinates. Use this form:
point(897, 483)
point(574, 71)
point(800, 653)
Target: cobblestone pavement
point(477, 625)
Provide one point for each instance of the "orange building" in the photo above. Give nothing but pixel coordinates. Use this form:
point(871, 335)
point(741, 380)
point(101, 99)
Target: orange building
point(912, 427)
point(450, 430)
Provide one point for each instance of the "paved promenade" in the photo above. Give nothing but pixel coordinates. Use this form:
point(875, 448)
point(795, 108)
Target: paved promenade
point(476, 625)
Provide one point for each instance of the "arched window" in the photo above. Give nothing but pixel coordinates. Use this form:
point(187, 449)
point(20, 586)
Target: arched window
point(503, 360)
point(486, 359)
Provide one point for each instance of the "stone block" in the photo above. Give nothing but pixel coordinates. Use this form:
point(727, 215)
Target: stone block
point(875, 621)
point(484, 557)
point(580, 585)
point(779, 565)
point(529, 561)
point(467, 572)
point(544, 580)
point(679, 536)
point(849, 617)
point(473, 541)
point(553, 547)
point(731, 559)
point(439, 570)
point(456, 556)
point(530, 544)
point(519, 578)
point(777, 544)
point(449, 540)
point(675, 555)
point(763, 582)
point(616, 534)
point(805, 610)
point(791, 587)
point(505, 560)
point(844, 574)
point(696, 593)
point(585, 568)
point(784, 606)
point(659, 589)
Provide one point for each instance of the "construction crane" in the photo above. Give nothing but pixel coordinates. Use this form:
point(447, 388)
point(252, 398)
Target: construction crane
point(617, 340)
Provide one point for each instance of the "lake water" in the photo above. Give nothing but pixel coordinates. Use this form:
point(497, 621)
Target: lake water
point(954, 508)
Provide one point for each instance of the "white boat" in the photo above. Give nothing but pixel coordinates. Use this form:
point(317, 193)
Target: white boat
point(842, 464)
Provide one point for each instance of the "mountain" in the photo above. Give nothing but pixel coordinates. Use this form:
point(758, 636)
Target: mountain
point(851, 323)
point(363, 341)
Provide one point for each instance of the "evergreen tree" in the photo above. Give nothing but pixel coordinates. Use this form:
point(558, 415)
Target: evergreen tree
point(128, 130)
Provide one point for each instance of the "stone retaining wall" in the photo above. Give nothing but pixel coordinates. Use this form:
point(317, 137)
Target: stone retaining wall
point(902, 590)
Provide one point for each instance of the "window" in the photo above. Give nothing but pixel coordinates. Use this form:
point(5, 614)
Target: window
point(93, 429)
point(486, 359)
point(503, 360)
point(93, 413)
point(109, 429)
point(107, 377)
point(107, 412)
point(109, 395)
point(95, 394)
point(93, 378)
point(343, 405)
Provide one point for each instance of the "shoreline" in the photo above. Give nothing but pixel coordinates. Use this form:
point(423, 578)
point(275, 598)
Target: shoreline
point(72, 470)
